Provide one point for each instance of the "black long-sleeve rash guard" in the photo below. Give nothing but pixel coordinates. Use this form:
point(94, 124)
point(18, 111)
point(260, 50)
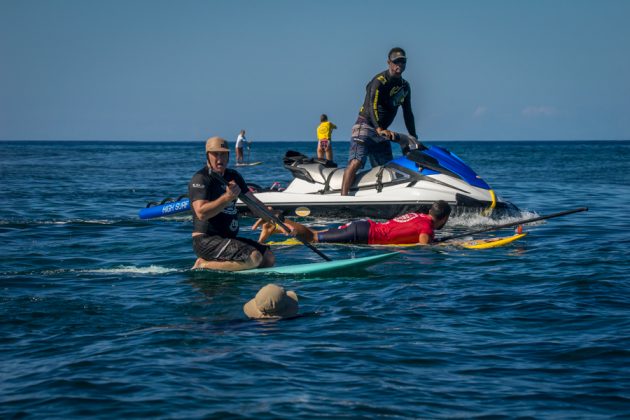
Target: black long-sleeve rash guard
point(384, 94)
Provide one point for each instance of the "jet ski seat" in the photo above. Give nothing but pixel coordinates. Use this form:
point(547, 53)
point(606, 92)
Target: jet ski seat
point(331, 178)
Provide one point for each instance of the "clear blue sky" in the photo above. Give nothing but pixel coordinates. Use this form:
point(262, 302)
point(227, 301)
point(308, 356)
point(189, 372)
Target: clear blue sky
point(186, 70)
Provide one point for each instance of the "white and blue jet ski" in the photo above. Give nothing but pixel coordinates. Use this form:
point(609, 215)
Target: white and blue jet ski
point(409, 183)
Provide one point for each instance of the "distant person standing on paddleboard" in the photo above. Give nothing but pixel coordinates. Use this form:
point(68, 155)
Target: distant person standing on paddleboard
point(240, 144)
point(215, 217)
point(410, 228)
point(370, 135)
point(324, 138)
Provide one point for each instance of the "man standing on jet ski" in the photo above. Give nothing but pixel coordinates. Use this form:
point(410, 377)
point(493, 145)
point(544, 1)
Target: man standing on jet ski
point(370, 136)
point(410, 228)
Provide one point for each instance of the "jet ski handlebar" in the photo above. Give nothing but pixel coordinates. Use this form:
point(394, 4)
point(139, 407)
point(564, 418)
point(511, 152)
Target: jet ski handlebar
point(408, 143)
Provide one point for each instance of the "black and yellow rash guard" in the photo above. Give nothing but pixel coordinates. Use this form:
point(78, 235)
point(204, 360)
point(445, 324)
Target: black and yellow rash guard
point(384, 94)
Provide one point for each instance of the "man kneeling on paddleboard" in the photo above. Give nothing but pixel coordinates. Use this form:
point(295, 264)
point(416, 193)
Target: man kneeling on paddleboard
point(410, 228)
point(215, 217)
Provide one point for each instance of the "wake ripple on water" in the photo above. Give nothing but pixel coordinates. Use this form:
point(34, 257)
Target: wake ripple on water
point(131, 270)
point(481, 221)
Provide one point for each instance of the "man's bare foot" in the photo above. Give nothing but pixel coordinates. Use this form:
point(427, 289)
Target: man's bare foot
point(200, 263)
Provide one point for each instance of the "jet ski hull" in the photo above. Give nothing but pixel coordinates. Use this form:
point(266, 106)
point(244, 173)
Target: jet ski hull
point(377, 210)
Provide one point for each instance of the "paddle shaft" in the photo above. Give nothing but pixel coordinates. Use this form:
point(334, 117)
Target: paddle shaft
point(264, 214)
point(507, 225)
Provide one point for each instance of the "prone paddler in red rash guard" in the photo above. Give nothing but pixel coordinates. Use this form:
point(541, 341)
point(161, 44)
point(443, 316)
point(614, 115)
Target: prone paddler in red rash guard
point(410, 228)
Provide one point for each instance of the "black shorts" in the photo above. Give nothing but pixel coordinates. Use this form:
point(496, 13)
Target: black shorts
point(356, 232)
point(217, 248)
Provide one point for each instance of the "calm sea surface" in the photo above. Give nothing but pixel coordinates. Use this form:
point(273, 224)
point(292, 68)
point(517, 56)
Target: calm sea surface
point(101, 317)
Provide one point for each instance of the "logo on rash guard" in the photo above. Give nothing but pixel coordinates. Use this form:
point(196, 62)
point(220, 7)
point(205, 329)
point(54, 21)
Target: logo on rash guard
point(197, 185)
point(398, 94)
point(234, 225)
point(406, 217)
point(231, 209)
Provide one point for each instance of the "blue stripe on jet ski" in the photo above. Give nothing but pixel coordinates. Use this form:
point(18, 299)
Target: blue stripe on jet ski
point(453, 163)
point(426, 171)
point(448, 161)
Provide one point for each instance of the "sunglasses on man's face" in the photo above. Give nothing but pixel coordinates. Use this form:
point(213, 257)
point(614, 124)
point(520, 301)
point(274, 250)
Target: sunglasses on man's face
point(400, 61)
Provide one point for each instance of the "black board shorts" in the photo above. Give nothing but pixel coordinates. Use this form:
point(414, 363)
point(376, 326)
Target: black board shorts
point(217, 248)
point(356, 232)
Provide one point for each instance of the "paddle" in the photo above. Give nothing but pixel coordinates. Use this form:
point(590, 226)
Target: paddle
point(263, 213)
point(506, 225)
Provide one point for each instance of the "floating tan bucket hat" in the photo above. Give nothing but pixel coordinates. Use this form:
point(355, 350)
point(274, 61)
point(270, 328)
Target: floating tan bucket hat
point(272, 302)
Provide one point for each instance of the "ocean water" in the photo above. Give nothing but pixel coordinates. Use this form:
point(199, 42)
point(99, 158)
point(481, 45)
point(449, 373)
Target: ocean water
point(101, 317)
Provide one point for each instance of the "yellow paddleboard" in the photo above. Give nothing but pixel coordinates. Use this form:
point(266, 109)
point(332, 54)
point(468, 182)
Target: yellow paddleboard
point(491, 242)
point(476, 244)
point(293, 241)
point(286, 242)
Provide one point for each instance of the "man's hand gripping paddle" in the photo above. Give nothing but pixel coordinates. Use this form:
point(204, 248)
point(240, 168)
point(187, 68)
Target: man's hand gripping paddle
point(266, 215)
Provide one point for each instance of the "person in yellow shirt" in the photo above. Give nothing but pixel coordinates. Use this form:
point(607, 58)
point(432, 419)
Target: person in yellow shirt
point(324, 136)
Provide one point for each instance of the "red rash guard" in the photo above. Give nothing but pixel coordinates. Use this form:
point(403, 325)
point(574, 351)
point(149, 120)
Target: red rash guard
point(405, 229)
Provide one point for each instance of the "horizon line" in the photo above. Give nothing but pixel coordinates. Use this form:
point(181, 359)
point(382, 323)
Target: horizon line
point(301, 141)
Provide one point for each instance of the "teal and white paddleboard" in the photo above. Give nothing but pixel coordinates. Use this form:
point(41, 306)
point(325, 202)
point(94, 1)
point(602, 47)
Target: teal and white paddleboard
point(322, 267)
